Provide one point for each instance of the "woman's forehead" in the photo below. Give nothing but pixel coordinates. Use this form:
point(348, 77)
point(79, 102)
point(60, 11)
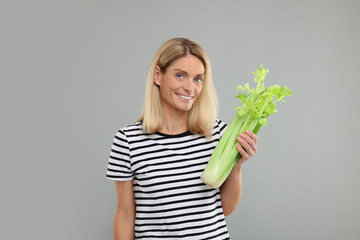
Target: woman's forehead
point(189, 64)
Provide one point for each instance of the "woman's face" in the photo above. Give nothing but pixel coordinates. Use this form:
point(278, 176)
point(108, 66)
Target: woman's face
point(181, 84)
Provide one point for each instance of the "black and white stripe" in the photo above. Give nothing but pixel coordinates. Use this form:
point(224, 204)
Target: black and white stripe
point(171, 200)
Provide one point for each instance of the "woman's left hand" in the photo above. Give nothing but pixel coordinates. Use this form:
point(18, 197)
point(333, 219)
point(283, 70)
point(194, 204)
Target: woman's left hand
point(249, 142)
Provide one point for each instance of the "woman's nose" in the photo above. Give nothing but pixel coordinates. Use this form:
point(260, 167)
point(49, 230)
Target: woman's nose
point(189, 86)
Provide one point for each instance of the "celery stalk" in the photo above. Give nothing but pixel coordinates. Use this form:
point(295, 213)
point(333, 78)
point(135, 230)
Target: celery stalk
point(257, 105)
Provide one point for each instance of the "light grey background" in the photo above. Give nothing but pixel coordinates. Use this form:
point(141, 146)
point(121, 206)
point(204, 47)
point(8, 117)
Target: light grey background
point(73, 73)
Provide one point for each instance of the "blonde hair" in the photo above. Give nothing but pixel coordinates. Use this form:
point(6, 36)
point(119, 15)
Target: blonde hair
point(204, 110)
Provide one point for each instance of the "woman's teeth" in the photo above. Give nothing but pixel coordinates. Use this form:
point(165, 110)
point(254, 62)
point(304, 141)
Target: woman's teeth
point(184, 97)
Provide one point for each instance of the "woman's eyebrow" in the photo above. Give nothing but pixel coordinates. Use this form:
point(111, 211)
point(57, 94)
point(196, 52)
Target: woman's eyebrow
point(179, 70)
point(200, 74)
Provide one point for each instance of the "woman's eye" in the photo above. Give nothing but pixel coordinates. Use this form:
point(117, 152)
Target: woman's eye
point(179, 76)
point(198, 79)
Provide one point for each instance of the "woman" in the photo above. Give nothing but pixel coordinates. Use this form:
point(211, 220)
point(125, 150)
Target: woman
point(157, 161)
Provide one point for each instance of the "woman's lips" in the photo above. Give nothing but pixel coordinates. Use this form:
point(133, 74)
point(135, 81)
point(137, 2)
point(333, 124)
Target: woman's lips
point(184, 97)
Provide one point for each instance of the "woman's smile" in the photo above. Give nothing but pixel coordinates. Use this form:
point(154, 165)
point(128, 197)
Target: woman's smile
point(184, 97)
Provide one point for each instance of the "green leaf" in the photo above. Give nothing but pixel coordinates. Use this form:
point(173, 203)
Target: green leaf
point(242, 96)
point(263, 121)
point(247, 88)
point(238, 88)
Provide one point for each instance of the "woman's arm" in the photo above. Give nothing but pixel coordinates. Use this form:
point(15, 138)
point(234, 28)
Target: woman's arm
point(124, 219)
point(230, 190)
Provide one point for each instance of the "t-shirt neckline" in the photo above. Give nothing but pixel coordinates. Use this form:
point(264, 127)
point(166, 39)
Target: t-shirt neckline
point(174, 135)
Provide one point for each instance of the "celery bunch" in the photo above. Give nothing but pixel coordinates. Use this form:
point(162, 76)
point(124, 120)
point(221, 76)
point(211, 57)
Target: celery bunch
point(257, 105)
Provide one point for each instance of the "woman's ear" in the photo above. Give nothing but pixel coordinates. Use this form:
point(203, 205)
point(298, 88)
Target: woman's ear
point(157, 75)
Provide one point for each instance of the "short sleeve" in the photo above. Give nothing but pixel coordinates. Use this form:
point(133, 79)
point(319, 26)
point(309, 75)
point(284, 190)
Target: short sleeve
point(221, 126)
point(119, 165)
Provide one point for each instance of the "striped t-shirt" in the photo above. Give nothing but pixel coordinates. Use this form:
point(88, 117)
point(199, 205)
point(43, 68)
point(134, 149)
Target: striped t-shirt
point(171, 200)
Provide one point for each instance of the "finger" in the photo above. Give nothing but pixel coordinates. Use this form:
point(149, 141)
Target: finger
point(244, 155)
point(249, 141)
point(253, 136)
point(248, 148)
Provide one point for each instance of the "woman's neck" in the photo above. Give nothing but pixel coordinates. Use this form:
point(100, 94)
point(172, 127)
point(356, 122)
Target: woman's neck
point(174, 122)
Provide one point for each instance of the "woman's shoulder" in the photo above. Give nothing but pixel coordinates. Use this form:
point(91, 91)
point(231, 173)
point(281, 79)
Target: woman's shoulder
point(129, 129)
point(136, 126)
point(219, 127)
point(219, 123)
